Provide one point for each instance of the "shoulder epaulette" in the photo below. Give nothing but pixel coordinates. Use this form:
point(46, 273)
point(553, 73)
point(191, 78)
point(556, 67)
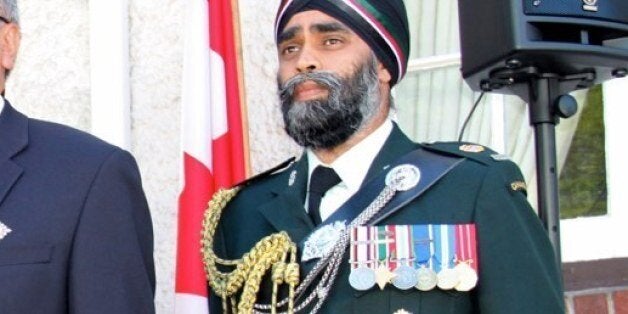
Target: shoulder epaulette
point(510, 171)
point(472, 151)
point(266, 173)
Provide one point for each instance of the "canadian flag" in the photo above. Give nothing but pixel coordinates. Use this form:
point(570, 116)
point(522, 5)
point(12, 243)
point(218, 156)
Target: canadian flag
point(212, 136)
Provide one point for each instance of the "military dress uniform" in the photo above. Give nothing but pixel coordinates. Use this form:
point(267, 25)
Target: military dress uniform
point(515, 263)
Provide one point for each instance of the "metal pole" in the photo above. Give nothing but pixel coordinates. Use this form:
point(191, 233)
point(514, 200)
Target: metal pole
point(544, 119)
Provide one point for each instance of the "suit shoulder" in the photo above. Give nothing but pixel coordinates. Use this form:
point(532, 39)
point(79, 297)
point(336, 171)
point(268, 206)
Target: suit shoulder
point(70, 148)
point(70, 139)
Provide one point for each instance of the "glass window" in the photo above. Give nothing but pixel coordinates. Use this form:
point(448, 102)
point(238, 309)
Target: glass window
point(583, 177)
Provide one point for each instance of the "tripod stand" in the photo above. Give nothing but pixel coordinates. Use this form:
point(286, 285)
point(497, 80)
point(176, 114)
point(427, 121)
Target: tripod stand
point(546, 94)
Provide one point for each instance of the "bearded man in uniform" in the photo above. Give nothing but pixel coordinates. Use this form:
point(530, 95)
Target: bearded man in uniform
point(456, 236)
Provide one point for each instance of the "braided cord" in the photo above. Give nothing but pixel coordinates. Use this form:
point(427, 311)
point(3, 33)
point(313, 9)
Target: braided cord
point(249, 271)
point(330, 263)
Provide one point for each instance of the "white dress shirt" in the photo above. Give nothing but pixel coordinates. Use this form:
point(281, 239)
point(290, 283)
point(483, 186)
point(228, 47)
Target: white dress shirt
point(351, 167)
point(1, 104)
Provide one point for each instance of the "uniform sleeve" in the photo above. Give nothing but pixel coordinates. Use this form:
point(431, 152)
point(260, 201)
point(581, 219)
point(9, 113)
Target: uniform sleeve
point(112, 268)
point(518, 271)
point(215, 302)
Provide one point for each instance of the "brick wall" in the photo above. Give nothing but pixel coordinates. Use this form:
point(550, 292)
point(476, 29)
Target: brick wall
point(597, 301)
point(596, 287)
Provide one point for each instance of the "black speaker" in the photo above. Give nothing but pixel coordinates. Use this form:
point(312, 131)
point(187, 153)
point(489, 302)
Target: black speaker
point(582, 39)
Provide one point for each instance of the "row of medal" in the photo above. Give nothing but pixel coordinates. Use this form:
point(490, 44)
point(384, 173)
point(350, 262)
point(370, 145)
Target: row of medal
point(414, 256)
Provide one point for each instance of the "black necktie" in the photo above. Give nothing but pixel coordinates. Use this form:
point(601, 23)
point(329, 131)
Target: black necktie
point(322, 179)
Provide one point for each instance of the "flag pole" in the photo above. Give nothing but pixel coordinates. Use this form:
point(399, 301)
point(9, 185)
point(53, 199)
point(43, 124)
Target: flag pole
point(243, 101)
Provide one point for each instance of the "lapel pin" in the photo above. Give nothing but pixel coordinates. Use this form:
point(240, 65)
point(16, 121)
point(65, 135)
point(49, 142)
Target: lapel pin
point(4, 230)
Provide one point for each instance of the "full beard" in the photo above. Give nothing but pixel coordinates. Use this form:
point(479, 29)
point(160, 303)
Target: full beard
point(326, 123)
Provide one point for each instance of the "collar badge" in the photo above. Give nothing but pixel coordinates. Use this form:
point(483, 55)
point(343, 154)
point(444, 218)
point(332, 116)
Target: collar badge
point(293, 177)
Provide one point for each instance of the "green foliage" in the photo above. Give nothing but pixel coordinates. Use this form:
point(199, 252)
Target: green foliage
point(583, 178)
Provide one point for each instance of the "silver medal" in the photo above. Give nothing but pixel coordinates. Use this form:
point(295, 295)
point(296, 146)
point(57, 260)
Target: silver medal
point(362, 278)
point(405, 278)
point(426, 279)
point(468, 277)
point(447, 278)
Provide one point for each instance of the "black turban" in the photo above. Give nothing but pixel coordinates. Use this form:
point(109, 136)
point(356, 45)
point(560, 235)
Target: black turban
point(382, 24)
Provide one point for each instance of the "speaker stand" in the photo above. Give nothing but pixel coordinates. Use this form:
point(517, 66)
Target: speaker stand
point(546, 95)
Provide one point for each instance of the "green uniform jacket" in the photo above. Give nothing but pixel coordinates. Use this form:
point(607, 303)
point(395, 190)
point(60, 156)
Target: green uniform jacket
point(517, 269)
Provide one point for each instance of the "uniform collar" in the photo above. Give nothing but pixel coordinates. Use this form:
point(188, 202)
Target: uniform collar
point(354, 164)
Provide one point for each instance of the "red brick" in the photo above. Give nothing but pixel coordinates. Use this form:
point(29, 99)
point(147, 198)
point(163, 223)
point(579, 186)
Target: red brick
point(620, 298)
point(591, 304)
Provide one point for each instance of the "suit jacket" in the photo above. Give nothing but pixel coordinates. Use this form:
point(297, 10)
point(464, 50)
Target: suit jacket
point(81, 236)
point(517, 270)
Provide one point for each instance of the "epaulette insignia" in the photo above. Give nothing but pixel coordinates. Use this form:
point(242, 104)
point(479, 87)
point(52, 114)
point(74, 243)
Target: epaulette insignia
point(500, 157)
point(471, 148)
point(519, 186)
point(266, 173)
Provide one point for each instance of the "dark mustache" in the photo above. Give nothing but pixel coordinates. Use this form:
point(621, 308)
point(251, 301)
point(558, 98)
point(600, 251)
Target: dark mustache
point(326, 79)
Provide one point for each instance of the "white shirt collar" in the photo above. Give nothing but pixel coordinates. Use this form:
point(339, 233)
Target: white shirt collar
point(1, 104)
point(353, 165)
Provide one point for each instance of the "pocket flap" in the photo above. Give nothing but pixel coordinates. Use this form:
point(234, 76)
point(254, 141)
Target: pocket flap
point(17, 255)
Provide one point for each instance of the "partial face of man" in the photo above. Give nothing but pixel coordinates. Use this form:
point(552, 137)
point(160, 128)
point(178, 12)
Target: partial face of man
point(328, 78)
point(9, 44)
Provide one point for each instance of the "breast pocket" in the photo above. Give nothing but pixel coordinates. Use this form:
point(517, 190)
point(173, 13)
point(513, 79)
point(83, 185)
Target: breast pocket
point(392, 300)
point(24, 255)
point(433, 302)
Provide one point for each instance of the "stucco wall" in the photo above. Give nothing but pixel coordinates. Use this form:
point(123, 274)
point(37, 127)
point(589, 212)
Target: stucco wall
point(52, 81)
point(268, 143)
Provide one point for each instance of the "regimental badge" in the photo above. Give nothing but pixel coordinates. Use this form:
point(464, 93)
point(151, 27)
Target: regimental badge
point(590, 5)
point(322, 241)
point(518, 186)
point(471, 148)
point(4, 230)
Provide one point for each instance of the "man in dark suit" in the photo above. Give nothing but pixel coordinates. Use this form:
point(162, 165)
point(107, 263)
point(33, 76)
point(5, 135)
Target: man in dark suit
point(456, 236)
point(75, 229)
